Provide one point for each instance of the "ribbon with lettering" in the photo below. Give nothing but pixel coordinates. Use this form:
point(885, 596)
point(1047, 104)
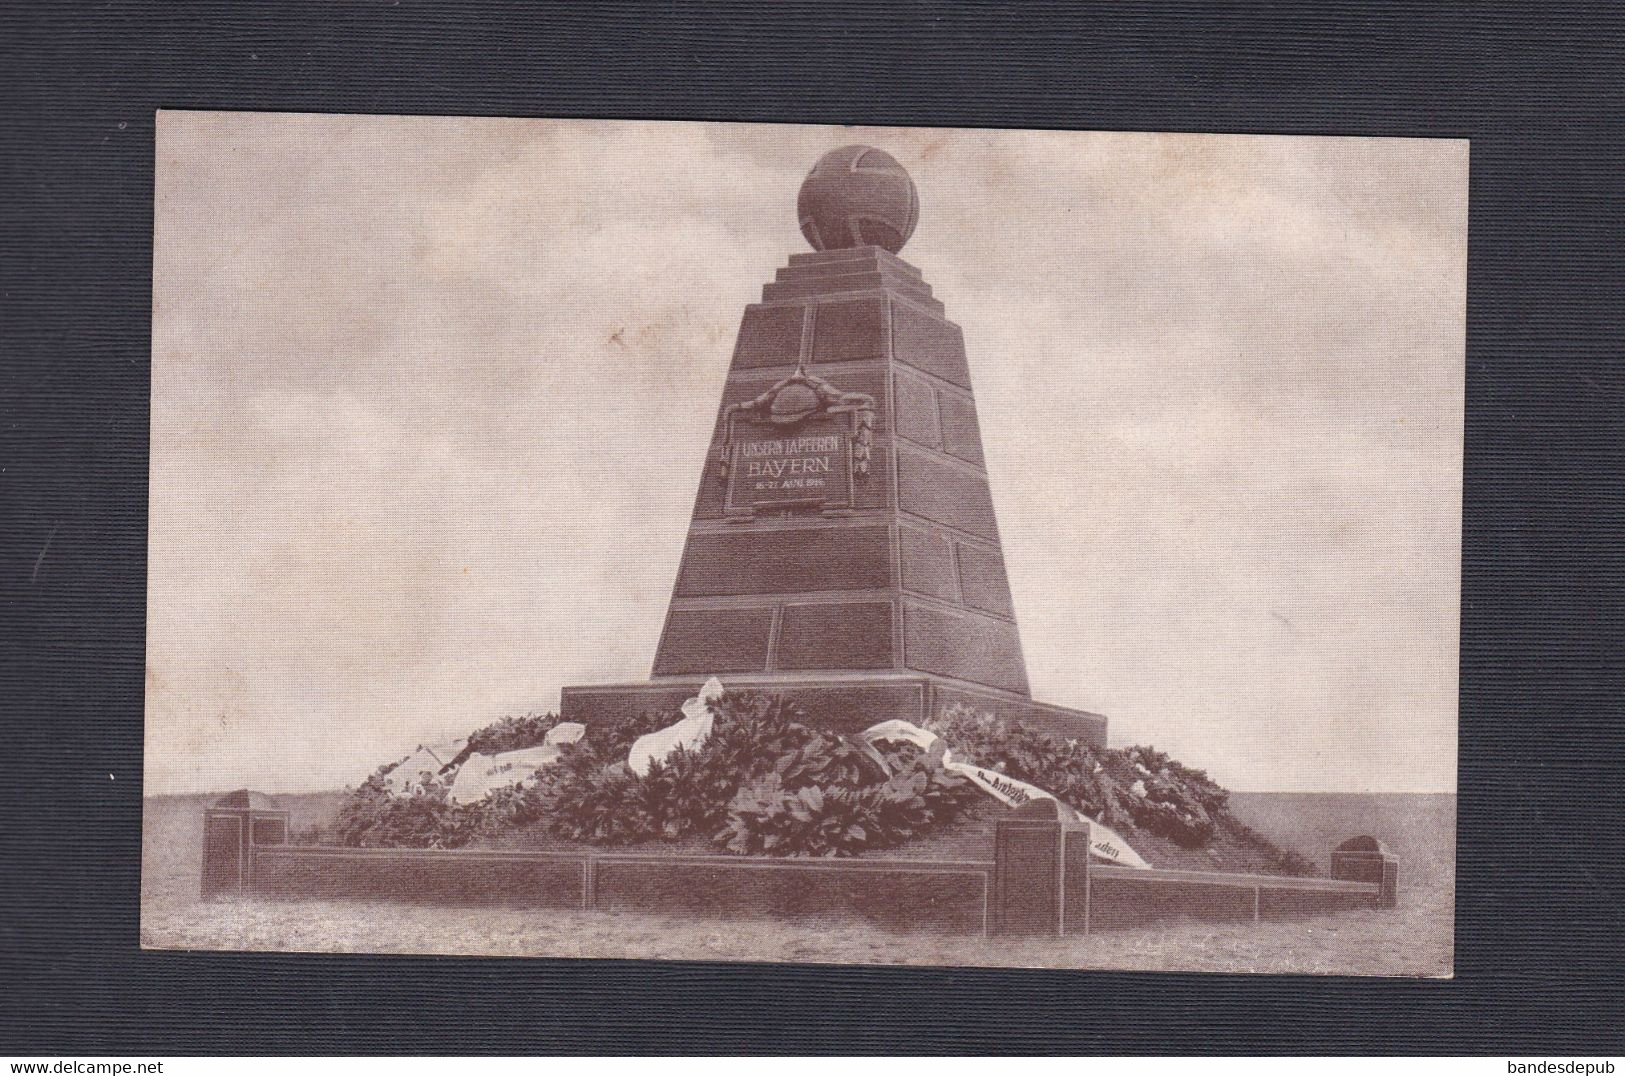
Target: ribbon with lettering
point(1103, 841)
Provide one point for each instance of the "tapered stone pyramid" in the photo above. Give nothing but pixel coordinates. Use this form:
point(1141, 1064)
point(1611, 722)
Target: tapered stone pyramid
point(843, 545)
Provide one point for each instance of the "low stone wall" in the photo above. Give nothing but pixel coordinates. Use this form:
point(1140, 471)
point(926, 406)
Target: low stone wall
point(937, 895)
point(421, 876)
point(1040, 881)
point(1115, 897)
point(1047, 883)
point(900, 894)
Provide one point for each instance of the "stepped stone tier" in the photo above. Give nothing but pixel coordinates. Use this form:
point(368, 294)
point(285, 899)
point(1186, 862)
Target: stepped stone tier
point(843, 545)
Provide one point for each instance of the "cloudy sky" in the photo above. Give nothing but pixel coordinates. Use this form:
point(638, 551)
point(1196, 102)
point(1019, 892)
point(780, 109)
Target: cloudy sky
point(431, 398)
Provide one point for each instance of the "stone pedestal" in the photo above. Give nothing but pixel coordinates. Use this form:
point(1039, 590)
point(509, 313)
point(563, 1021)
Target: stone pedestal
point(843, 543)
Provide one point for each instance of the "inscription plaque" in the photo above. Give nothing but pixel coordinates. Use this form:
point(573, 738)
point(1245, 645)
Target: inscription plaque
point(808, 465)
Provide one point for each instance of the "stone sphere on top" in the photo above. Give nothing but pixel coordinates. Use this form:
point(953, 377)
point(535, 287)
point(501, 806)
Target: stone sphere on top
point(857, 196)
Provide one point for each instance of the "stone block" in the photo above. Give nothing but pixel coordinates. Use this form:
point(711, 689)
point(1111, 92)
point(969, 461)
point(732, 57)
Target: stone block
point(963, 645)
point(944, 493)
point(828, 635)
point(961, 434)
point(927, 563)
point(854, 704)
point(821, 558)
point(714, 641)
point(769, 336)
point(607, 704)
point(844, 331)
point(917, 411)
point(982, 579)
point(928, 343)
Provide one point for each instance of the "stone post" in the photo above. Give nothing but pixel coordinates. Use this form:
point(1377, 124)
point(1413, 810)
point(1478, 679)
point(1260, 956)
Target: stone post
point(1029, 890)
point(232, 826)
point(1365, 859)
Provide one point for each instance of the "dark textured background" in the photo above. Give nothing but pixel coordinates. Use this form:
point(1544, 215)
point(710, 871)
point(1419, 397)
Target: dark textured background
point(1538, 88)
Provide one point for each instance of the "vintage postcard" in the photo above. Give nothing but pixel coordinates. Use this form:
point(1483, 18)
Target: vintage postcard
point(790, 543)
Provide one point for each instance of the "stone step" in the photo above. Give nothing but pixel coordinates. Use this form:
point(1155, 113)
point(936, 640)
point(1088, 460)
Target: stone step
point(842, 281)
point(881, 254)
point(845, 282)
point(859, 264)
point(846, 702)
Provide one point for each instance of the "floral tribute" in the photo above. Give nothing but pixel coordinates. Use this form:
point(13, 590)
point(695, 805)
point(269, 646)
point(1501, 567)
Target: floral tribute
point(767, 783)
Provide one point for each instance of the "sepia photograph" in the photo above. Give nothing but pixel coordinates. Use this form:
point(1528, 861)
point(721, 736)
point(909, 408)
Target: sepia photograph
point(791, 543)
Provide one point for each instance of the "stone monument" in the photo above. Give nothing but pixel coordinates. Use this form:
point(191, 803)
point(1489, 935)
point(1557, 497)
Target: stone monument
point(843, 545)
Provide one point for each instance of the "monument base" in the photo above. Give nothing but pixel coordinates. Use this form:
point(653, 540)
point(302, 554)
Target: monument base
point(840, 702)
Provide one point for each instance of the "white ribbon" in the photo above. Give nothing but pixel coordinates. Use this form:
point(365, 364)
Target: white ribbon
point(431, 759)
point(480, 775)
point(1103, 841)
point(689, 733)
point(565, 732)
